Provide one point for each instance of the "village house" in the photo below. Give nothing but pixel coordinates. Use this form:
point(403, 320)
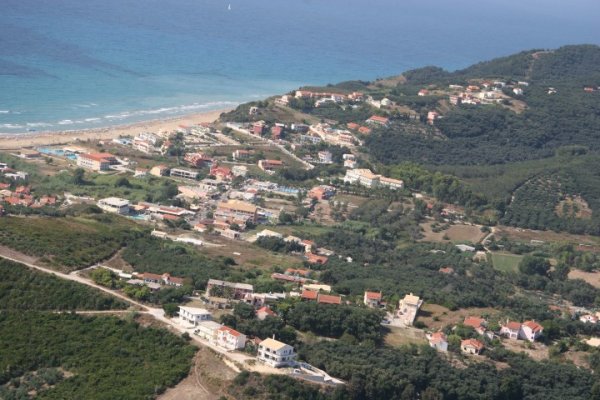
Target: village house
point(365, 177)
point(588, 319)
point(184, 173)
point(511, 330)
point(207, 330)
point(197, 160)
point(408, 308)
point(372, 299)
point(238, 155)
point(438, 341)
point(528, 330)
point(476, 323)
point(325, 157)
point(275, 353)
point(230, 339)
point(159, 170)
point(221, 173)
point(317, 287)
point(471, 346)
point(364, 130)
point(96, 161)
point(378, 120)
point(265, 312)
point(236, 209)
point(316, 259)
point(270, 165)
point(193, 315)
point(237, 290)
point(114, 205)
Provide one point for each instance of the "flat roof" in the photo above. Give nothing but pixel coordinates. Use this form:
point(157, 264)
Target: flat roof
point(195, 310)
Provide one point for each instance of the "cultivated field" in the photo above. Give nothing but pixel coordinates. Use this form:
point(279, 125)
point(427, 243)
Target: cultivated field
point(455, 233)
point(506, 262)
point(436, 316)
point(593, 278)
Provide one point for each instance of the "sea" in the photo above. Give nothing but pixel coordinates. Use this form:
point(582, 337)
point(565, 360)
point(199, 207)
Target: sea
point(73, 64)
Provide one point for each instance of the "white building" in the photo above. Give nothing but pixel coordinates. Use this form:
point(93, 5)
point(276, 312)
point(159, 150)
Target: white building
point(438, 341)
point(275, 353)
point(230, 339)
point(207, 330)
point(183, 173)
point(114, 205)
point(408, 308)
point(365, 177)
point(193, 315)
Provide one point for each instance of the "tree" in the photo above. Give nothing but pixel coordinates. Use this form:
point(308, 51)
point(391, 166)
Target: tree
point(78, 176)
point(534, 265)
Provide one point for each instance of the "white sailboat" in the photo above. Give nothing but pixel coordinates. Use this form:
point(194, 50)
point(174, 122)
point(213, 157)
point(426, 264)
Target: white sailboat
point(229, 7)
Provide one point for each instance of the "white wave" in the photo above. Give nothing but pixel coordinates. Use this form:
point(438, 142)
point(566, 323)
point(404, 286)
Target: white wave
point(12, 126)
point(65, 122)
point(37, 124)
point(4, 111)
point(92, 119)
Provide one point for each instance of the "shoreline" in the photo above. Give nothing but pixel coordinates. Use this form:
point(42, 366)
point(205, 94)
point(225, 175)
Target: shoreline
point(15, 141)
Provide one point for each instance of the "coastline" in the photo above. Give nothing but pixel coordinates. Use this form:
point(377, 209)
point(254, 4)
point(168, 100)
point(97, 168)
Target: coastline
point(15, 141)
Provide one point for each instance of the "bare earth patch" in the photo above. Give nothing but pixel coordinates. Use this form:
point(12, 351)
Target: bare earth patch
point(208, 376)
point(403, 336)
point(536, 351)
point(593, 278)
point(437, 317)
point(455, 233)
point(574, 206)
point(526, 235)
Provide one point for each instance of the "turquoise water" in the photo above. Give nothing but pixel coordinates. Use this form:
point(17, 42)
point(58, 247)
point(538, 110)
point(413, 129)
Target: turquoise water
point(71, 64)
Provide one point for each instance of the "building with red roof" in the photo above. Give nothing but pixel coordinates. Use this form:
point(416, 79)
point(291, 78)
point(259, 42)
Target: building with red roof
point(265, 312)
point(96, 161)
point(309, 294)
point(438, 341)
point(221, 173)
point(230, 339)
point(378, 120)
point(372, 299)
point(316, 259)
point(471, 346)
point(329, 299)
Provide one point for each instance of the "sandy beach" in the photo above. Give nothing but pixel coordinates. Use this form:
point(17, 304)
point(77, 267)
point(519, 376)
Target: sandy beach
point(17, 141)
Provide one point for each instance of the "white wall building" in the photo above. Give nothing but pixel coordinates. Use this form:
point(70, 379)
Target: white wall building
point(207, 330)
point(230, 339)
point(275, 353)
point(408, 308)
point(114, 205)
point(193, 315)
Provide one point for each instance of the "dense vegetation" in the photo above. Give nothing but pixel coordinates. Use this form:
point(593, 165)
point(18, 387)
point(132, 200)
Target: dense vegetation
point(335, 320)
point(147, 254)
point(22, 288)
point(110, 358)
point(68, 243)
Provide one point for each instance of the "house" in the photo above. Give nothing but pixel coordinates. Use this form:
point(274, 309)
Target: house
point(316, 287)
point(309, 294)
point(372, 299)
point(159, 170)
point(518, 91)
point(207, 330)
point(438, 341)
point(391, 183)
point(531, 330)
point(230, 339)
point(242, 154)
point(511, 330)
point(276, 132)
point(362, 176)
point(269, 233)
point(236, 209)
point(432, 116)
point(197, 159)
point(270, 165)
point(96, 161)
point(218, 288)
point(471, 346)
point(184, 173)
point(288, 278)
point(193, 315)
point(423, 92)
point(364, 130)
point(239, 170)
point(275, 353)
point(114, 205)
point(328, 299)
point(221, 173)
point(230, 234)
point(258, 128)
point(325, 157)
point(479, 324)
point(169, 280)
point(265, 312)
point(378, 120)
point(316, 259)
point(352, 126)
point(408, 308)
point(446, 270)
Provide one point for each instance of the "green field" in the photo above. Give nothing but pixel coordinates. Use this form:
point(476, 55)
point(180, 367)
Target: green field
point(506, 262)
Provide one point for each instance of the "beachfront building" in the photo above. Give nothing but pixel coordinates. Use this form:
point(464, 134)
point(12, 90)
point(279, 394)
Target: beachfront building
point(365, 177)
point(275, 353)
point(96, 161)
point(408, 308)
point(114, 205)
point(193, 315)
point(230, 339)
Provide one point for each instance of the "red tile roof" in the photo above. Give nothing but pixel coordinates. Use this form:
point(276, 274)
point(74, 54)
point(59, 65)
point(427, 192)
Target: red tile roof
point(229, 330)
point(310, 294)
point(534, 326)
point(267, 311)
point(513, 326)
point(329, 299)
point(373, 295)
point(474, 322)
point(474, 343)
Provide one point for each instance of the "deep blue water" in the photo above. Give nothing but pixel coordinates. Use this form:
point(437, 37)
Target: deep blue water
point(68, 64)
